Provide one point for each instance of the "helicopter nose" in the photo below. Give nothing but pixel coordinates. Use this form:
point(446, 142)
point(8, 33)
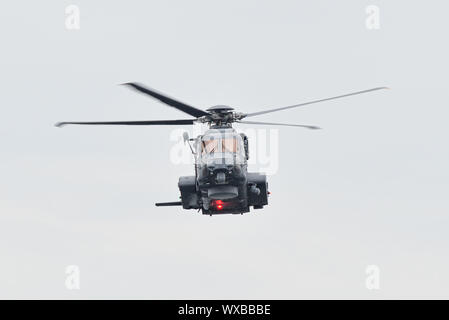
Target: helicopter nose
point(219, 174)
point(220, 177)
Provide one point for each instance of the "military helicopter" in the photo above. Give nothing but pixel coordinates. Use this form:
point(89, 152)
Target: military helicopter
point(222, 183)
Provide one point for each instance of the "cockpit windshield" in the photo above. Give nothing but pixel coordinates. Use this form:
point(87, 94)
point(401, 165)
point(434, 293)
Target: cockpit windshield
point(209, 146)
point(229, 145)
point(214, 145)
point(220, 146)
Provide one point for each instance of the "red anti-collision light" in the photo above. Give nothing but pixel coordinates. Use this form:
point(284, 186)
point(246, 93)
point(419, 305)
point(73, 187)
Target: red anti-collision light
point(218, 204)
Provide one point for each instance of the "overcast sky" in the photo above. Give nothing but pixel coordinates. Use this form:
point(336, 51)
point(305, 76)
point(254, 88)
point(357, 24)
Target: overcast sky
point(371, 188)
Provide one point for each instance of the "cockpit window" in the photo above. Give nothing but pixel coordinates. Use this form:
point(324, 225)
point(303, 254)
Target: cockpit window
point(219, 145)
point(229, 145)
point(209, 146)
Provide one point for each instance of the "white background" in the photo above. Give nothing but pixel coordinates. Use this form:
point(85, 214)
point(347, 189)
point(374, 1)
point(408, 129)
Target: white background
point(370, 188)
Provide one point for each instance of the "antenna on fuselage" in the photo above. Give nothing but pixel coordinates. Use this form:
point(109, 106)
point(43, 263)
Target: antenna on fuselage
point(186, 138)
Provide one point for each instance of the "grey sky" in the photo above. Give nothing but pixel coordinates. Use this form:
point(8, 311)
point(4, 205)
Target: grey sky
point(371, 188)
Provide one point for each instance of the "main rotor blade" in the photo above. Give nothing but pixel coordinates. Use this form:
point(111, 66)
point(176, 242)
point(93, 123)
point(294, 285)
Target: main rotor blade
point(167, 100)
point(132, 123)
point(280, 124)
point(311, 102)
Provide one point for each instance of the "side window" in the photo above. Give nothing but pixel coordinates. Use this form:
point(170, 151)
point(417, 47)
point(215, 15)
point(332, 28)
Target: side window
point(245, 145)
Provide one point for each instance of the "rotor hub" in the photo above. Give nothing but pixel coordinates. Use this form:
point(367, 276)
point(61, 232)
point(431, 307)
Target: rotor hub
point(220, 109)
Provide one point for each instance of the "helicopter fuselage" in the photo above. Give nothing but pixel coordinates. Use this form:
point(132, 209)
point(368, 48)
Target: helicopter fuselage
point(222, 183)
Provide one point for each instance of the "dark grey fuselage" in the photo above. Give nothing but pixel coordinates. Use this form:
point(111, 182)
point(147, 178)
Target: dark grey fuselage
point(222, 183)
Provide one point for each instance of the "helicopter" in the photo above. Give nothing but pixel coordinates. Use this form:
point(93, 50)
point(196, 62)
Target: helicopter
point(221, 183)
